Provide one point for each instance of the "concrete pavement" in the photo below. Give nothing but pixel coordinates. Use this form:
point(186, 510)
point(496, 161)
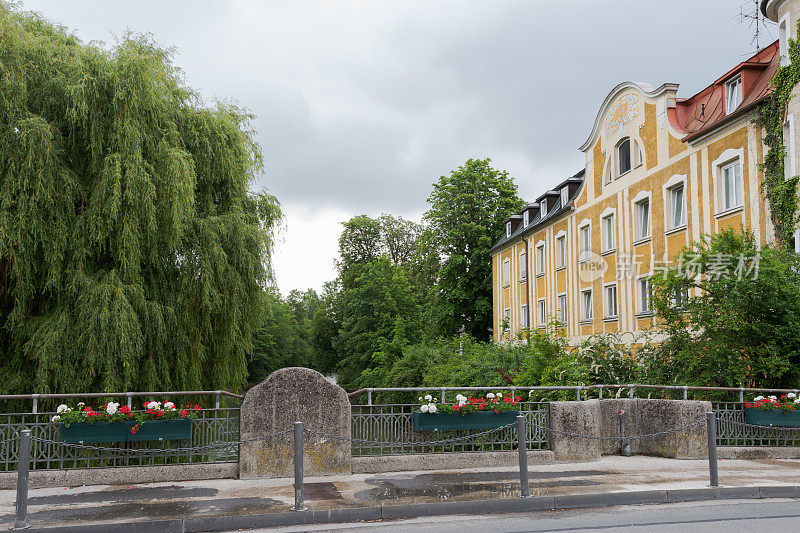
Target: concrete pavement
point(110, 504)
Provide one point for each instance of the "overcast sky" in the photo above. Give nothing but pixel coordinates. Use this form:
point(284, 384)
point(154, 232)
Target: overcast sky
point(362, 105)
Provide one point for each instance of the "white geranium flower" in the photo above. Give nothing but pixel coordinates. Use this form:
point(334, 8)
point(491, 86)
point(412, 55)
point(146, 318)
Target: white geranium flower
point(797, 400)
point(773, 397)
point(80, 404)
point(428, 397)
point(55, 418)
point(424, 408)
point(154, 405)
point(490, 395)
point(62, 409)
point(112, 408)
point(758, 398)
point(420, 398)
point(499, 394)
point(791, 395)
point(169, 406)
point(432, 408)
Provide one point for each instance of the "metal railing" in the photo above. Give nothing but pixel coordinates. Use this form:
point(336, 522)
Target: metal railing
point(388, 429)
point(217, 427)
point(581, 391)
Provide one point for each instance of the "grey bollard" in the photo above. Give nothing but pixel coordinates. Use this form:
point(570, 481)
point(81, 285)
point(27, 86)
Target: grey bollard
point(298, 468)
point(522, 447)
point(711, 423)
point(624, 447)
point(23, 471)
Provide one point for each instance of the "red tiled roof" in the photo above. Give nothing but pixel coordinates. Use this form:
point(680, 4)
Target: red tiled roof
point(706, 110)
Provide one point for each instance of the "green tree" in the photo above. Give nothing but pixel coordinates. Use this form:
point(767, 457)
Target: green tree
point(466, 215)
point(379, 313)
point(132, 255)
point(282, 340)
point(741, 328)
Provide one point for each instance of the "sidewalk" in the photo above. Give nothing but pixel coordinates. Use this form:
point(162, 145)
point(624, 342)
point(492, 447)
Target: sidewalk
point(109, 504)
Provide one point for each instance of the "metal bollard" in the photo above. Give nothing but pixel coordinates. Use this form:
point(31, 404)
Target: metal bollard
point(711, 422)
point(522, 447)
point(624, 447)
point(298, 468)
point(23, 469)
point(578, 394)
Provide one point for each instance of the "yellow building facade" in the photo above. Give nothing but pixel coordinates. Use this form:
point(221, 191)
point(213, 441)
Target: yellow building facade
point(661, 171)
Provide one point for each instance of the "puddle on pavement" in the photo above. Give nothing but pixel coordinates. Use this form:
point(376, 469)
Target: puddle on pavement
point(321, 491)
point(131, 494)
point(155, 510)
point(392, 490)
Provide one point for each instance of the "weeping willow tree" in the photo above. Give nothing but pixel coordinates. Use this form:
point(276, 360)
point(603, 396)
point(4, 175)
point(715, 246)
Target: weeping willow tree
point(132, 254)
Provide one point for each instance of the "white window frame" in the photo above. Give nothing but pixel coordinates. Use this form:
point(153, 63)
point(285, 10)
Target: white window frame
point(685, 298)
point(543, 207)
point(564, 196)
point(541, 312)
point(734, 84)
point(507, 316)
point(561, 249)
point(541, 260)
point(608, 244)
point(523, 316)
point(508, 229)
point(562, 310)
point(669, 189)
point(789, 166)
point(644, 295)
point(587, 311)
point(638, 154)
point(618, 159)
point(523, 266)
point(784, 31)
point(584, 254)
point(641, 198)
point(526, 218)
point(736, 193)
point(797, 241)
point(506, 273)
point(726, 159)
point(609, 177)
point(607, 314)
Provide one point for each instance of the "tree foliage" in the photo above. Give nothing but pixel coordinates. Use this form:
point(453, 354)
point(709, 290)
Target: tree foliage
point(132, 255)
point(741, 328)
point(467, 211)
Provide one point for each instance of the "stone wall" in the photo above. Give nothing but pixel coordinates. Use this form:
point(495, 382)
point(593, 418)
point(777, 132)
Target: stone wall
point(286, 396)
point(600, 418)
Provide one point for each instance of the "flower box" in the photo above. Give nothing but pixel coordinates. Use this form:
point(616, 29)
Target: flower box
point(161, 430)
point(98, 432)
point(121, 431)
point(456, 421)
point(771, 417)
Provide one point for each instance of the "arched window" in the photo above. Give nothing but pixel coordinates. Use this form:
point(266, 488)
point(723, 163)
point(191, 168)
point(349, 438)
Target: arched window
point(624, 156)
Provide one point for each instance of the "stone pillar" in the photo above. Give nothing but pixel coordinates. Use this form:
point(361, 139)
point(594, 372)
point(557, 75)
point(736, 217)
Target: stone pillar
point(581, 418)
point(600, 418)
point(286, 396)
point(660, 415)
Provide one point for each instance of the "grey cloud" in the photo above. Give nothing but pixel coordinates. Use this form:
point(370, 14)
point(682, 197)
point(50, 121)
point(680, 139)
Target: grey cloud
point(361, 106)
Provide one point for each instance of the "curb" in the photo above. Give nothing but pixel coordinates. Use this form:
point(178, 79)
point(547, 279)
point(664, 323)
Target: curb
point(417, 510)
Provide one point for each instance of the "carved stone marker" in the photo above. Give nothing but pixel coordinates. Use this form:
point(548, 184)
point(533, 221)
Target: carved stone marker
point(286, 396)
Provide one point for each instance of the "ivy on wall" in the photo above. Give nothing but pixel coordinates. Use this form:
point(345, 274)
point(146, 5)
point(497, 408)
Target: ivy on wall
point(781, 193)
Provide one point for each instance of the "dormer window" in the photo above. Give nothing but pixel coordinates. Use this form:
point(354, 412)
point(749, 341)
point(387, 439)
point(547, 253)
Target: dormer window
point(733, 94)
point(564, 196)
point(508, 229)
point(624, 156)
point(526, 218)
point(543, 208)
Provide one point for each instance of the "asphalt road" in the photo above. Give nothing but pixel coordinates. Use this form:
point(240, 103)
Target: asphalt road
point(730, 516)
